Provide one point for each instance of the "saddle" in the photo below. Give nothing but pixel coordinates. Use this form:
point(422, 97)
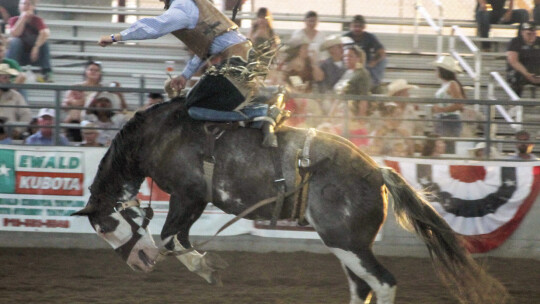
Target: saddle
point(265, 111)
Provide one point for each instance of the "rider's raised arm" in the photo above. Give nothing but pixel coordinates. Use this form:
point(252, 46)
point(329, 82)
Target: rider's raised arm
point(181, 15)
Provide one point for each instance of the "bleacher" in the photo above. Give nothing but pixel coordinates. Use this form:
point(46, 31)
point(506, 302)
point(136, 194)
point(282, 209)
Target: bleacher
point(74, 42)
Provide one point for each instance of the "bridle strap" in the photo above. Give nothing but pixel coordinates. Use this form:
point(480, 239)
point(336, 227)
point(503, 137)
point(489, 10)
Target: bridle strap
point(126, 248)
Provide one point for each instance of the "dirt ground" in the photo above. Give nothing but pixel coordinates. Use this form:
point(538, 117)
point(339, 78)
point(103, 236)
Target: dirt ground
point(99, 276)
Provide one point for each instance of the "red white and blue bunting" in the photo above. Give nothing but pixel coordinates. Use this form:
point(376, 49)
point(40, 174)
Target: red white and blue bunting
point(483, 201)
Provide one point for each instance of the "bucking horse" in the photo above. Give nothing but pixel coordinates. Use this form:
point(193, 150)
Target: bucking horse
point(345, 195)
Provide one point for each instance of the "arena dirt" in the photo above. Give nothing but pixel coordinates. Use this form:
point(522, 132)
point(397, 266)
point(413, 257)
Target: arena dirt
point(100, 276)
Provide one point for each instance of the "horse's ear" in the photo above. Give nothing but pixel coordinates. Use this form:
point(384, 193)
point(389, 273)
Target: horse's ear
point(89, 209)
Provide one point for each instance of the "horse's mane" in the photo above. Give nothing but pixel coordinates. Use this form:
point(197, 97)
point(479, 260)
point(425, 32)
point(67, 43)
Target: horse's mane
point(128, 140)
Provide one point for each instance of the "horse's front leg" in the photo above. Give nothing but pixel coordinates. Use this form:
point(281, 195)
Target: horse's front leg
point(175, 235)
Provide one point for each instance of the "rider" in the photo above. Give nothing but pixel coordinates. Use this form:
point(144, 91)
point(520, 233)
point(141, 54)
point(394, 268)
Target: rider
point(224, 89)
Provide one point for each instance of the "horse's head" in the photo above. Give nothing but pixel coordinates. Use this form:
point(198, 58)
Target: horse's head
point(125, 228)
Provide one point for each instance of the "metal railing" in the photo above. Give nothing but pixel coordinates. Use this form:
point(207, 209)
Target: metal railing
point(475, 74)
point(495, 76)
point(437, 27)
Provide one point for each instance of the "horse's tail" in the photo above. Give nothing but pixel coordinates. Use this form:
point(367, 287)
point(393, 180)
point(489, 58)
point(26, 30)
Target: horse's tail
point(451, 260)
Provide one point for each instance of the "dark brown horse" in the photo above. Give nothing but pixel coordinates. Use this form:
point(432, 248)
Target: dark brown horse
point(347, 200)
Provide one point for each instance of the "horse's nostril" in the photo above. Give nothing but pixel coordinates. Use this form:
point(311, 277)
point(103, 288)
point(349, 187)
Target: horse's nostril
point(146, 260)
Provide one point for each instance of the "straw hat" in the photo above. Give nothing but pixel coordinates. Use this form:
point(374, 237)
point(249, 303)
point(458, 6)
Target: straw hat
point(6, 70)
point(448, 63)
point(330, 41)
point(399, 85)
point(113, 98)
point(481, 146)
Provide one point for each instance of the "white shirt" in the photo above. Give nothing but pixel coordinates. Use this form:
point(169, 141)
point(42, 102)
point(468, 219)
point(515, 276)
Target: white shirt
point(182, 14)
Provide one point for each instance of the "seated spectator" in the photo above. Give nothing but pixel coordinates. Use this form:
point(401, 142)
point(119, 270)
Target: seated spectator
point(101, 113)
point(492, 12)
point(299, 68)
point(261, 28)
point(333, 67)
point(356, 80)
point(10, 97)
point(5, 139)
point(375, 53)
point(28, 44)
point(478, 152)
point(397, 141)
point(448, 115)
point(523, 58)
point(154, 98)
point(91, 78)
point(310, 34)
point(90, 136)
point(524, 147)
point(20, 78)
point(433, 146)
point(45, 136)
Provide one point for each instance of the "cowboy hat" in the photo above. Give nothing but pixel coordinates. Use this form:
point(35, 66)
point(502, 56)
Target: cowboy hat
point(399, 85)
point(88, 124)
point(330, 41)
point(6, 70)
point(480, 147)
point(447, 63)
point(113, 98)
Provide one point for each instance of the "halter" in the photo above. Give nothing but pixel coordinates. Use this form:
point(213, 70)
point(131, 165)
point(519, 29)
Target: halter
point(137, 231)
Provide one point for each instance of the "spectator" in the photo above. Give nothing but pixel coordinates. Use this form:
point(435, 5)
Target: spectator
point(448, 115)
point(20, 78)
point(523, 58)
point(333, 67)
point(28, 44)
point(491, 12)
point(375, 53)
point(45, 136)
point(5, 139)
point(310, 34)
point(356, 80)
point(90, 136)
point(261, 28)
point(524, 147)
point(8, 8)
point(10, 97)
point(102, 114)
point(92, 78)
point(433, 146)
point(397, 142)
point(154, 98)
point(299, 68)
point(478, 152)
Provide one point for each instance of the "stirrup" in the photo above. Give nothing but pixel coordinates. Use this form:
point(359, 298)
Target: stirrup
point(269, 137)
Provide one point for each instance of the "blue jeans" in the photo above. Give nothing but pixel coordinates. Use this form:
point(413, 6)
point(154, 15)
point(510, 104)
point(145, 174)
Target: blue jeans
point(17, 52)
point(377, 72)
point(485, 19)
point(451, 127)
point(247, 113)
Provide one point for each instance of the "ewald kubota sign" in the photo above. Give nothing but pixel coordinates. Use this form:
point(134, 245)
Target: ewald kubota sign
point(44, 173)
point(39, 189)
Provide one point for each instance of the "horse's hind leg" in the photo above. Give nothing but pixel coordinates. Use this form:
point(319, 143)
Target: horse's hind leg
point(360, 290)
point(365, 273)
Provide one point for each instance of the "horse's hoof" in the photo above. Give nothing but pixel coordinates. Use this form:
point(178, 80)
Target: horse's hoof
point(214, 261)
point(216, 279)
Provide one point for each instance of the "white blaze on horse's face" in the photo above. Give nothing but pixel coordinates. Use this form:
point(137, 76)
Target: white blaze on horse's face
point(138, 249)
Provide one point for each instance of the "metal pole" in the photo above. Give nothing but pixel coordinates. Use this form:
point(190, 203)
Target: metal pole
point(142, 83)
point(57, 117)
point(478, 72)
point(416, 17)
point(487, 131)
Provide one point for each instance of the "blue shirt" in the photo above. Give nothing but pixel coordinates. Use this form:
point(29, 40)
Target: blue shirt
point(37, 139)
point(182, 14)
